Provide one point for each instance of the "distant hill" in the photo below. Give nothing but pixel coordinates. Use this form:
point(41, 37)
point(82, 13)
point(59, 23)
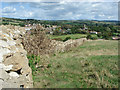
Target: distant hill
point(17, 21)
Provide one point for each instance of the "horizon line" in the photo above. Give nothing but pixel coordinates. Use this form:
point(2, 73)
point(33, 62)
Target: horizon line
point(61, 19)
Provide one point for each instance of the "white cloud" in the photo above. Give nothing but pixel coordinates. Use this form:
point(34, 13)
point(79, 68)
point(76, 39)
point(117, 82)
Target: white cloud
point(28, 14)
point(63, 1)
point(67, 10)
point(9, 10)
point(22, 7)
point(95, 5)
point(101, 15)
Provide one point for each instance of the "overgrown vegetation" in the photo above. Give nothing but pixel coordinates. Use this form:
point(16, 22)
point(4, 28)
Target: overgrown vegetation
point(92, 65)
point(33, 61)
point(36, 42)
point(92, 37)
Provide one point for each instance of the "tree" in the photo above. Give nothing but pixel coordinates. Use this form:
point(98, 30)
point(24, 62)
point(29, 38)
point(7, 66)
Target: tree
point(88, 36)
point(99, 35)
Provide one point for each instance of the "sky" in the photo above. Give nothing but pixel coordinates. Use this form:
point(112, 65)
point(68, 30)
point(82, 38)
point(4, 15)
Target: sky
point(61, 10)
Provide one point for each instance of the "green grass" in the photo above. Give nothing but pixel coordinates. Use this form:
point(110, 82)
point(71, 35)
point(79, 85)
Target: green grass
point(73, 36)
point(92, 65)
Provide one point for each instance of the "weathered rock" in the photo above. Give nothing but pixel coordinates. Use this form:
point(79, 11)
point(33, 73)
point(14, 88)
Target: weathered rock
point(14, 69)
point(60, 46)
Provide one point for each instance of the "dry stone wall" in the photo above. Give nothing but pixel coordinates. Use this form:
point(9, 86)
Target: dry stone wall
point(60, 46)
point(35, 42)
point(14, 42)
point(14, 69)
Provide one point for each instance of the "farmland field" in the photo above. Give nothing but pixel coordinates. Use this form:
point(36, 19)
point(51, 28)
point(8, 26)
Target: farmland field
point(92, 65)
point(72, 36)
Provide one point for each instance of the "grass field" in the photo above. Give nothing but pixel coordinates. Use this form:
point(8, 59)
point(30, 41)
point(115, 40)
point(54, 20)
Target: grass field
point(73, 36)
point(92, 65)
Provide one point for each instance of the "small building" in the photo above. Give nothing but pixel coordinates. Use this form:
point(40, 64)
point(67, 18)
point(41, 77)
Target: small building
point(85, 27)
point(115, 38)
point(93, 32)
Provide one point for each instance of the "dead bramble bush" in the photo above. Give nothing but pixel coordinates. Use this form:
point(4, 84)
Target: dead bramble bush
point(36, 42)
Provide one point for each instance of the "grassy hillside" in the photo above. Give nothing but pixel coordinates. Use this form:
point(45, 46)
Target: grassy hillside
point(92, 65)
point(18, 21)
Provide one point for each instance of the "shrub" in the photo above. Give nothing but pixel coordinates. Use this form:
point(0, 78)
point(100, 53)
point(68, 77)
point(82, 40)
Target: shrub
point(94, 38)
point(99, 35)
point(106, 36)
point(58, 39)
point(22, 24)
point(67, 38)
point(88, 36)
point(37, 43)
point(83, 32)
point(5, 23)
